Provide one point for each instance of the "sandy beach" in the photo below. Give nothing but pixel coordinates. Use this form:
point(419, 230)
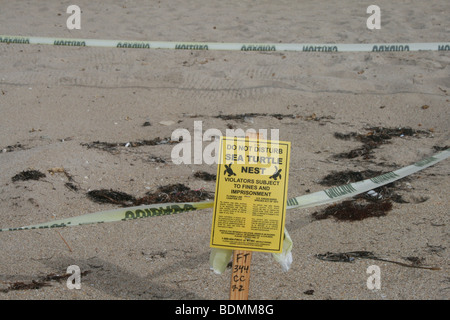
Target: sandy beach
point(59, 103)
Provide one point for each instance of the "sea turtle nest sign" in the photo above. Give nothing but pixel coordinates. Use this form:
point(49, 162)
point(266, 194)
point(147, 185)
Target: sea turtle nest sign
point(251, 193)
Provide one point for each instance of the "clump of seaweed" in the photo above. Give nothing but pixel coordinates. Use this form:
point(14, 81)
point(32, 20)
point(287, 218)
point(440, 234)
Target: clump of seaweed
point(173, 193)
point(110, 196)
point(113, 147)
point(164, 194)
point(19, 285)
point(38, 284)
point(28, 175)
point(205, 176)
point(371, 140)
point(243, 116)
point(11, 148)
point(351, 210)
point(440, 148)
point(344, 177)
point(416, 262)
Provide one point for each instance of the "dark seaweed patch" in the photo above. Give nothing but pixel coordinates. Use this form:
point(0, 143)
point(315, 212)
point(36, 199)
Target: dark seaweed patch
point(25, 285)
point(243, 116)
point(71, 186)
point(38, 284)
point(156, 159)
point(364, 152)
point(173, 193)
point(345, 256)
point(14, 147)
point(154, 142)
point(345, 136)
point(415, 261)
point(348, 176)
point(105, 146)
point(170, 193)
point(114, 146)
point(309, 292)
point(375, 137)
point(61, 277)
point(439, 148)
point(278, 116)
point(352, 256)
point(352, 210)
point(205, 176)
point(110, 196)
point(28, 175)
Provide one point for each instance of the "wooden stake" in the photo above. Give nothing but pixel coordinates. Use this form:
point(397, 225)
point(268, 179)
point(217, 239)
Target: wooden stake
point(240, 275)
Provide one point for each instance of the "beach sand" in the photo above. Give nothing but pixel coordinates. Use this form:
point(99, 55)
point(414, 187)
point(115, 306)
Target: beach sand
point(54, 100)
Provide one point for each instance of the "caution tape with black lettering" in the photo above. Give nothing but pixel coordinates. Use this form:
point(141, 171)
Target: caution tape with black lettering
point(297, 47)
point(330, 195)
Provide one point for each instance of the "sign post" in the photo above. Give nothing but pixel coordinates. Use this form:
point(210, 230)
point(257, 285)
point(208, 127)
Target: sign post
point(240, 276)
point(250, 203)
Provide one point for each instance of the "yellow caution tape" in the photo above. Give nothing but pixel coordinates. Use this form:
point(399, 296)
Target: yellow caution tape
point(297, 47)
point(123, 214)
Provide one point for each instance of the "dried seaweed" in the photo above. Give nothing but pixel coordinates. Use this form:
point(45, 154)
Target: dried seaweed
point(348, 176)
point(278, 116)
point(244, 116)
point(415, 261)
point(364, 152)
point(205, 176)
point(375, 137)
point(173, 193)
point(25, 286)
point(156, 159)
point(352, 256)
point(154, 142)
point(440, 148)
point(38, 284)
point(114, 146)
point(170, 193)
point(354, 210)
point(345, 256)
point(110, 196)
point(71, 186)
point(60, 277)
point(14, 147)
point(28, 175)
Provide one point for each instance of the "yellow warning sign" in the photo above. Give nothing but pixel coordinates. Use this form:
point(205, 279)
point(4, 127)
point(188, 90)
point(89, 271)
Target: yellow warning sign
point(251, 194)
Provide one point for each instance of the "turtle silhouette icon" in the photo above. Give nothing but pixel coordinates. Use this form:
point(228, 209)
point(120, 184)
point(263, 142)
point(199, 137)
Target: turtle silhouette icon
point(276, 174)
point(229, 170)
